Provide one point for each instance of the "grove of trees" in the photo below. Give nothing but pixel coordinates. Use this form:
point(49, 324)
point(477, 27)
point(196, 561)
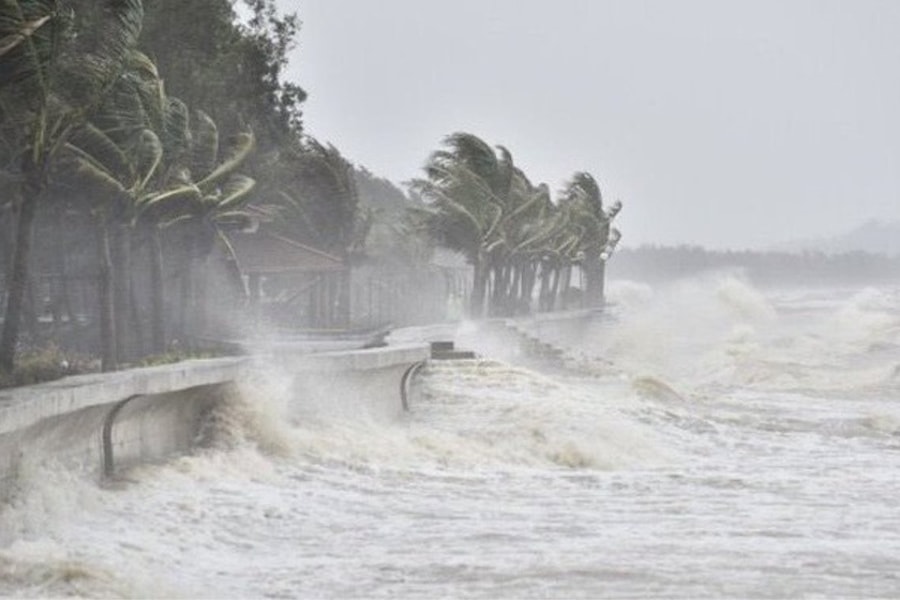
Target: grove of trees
point(477, 202)
point(136, 136)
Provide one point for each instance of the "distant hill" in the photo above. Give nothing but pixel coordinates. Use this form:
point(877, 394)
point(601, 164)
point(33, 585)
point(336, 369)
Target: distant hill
point(876, 237)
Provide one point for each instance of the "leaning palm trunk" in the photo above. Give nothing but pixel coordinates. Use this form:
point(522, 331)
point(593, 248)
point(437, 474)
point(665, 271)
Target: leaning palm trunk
point(30, 311)
point(545, 286)
point(119, 255)
point(17, 282)
point(108, 350)
point(553, 294)
point(157, 293)
point(512, 299)
point(496, 290)
point(136, 323)
point(479, 290)
point(527, 283)
point(200, 300)
point(185, 294)
point(565, 282)
point(502, 291)
point(63, 299)
point(187, 313)
point(550, 272)
point(7, 242)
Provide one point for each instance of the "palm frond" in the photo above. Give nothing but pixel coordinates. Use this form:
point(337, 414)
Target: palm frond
point(205, 147)
point(235, 192)
point(25, 30)
point(242, 147)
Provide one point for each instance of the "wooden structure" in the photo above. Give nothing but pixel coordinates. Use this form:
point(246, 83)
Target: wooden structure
point(289, 284)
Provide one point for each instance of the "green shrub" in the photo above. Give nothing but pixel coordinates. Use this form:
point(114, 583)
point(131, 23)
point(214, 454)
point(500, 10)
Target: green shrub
point(44, 364)
point(174, 356)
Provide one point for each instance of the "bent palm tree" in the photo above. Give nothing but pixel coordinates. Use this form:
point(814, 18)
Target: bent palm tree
point(53, 68)
point(120, 156)
point(204, 198)
point(467, 189)
point(326, 210)
point(596, 239)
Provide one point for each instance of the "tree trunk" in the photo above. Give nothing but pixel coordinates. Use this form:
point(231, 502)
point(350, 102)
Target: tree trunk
point(503, 292)
point(7, 243)
point(187, 293)
point(543, 297)
point(136, 324)
point(31, 311)
point(201, 298)
point(18, 278)
point(187, 297)
point(109, 358)
point(157, 293)
point(479, 288)
point(119, 254)
point(554, 288)
point(512, 298)
point(529, 272)
point(62, 302)
point(565, 284)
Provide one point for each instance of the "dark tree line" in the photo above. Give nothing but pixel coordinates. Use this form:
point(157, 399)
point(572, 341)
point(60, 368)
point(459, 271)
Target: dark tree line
point(133, 136)
point(662, 263)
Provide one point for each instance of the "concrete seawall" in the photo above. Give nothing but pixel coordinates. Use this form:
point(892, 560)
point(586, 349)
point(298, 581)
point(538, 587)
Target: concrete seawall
point(365, 383)
point(103, 422)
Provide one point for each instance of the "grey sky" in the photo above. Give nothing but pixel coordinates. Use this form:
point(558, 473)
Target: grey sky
point(722, 123)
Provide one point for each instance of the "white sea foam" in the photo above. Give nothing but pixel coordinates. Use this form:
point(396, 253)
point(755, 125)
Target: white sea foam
point(737, 446)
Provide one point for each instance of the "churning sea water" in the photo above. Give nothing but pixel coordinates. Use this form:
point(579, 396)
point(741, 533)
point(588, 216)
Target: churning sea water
point(706, 440)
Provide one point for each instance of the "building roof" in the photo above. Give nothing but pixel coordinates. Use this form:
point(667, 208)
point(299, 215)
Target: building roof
point(269, 253)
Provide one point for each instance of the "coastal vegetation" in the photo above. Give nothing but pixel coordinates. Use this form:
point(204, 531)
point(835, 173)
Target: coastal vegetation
point(480, 204)
point(138, 139)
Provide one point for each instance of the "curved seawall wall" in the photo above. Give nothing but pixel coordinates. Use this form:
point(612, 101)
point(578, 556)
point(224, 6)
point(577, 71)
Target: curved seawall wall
point(366, 383)
point(103, 422)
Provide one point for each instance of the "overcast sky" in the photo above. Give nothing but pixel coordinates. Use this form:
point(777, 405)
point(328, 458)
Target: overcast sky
point(731, 124)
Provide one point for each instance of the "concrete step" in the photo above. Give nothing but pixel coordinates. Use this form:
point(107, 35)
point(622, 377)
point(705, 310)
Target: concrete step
point(452, 354)
point(445, 350)
point(441, 346)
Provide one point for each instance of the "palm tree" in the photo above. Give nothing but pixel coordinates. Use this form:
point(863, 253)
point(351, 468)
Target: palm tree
point(523, 230)
point(53, 69)
point(557, 254)
point(120, 156)
point(528, 234)
point(595, 240)
point(324, 208)
point(205, 198)
point(161, 124)
point(467, 188)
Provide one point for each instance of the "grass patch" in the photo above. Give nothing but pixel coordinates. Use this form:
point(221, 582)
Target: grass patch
point(45, 364)
point(174, 356)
